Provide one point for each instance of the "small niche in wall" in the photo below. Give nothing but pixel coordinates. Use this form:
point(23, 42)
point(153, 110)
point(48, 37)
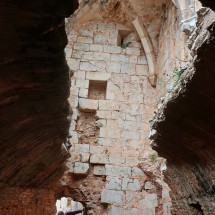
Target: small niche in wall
point(97, 90)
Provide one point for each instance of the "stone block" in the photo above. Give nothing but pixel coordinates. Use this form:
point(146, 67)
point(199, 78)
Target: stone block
point(119, 58)
point(132, 51)
point(86, 33)
point(112, 196)
point(134, 211)
point(99, 170)
point(73, 64)
point(108, 105)
point(112, 49)
point(124, 68)
point(110, 95)
point(96, 48)
point(113, 67)
point(142, 70)
point(85, 157)
point(98, 76)
point(142, 60)
point(87, 66)
point(137, 172)
point(101, 56)
point(83, 93)
point(82, 83)
point(104, 142)
point(87, 40)
point(88, 105)
point(81, 168)
point(72, 38)
point(116, 160)
point(114, 183)
point(99, 159)
point(115, 211)
point(81, 47)
point(149, 185)
point(101, 123)
point(103, 114)
point(117, 170)
point(101, 39)
point(97, 149)
point(82, 148)
point(131, 184)
point(79, 75)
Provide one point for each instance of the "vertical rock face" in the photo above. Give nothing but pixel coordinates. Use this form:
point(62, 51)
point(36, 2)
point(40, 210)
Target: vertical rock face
point(34, 87)
point(184, 127)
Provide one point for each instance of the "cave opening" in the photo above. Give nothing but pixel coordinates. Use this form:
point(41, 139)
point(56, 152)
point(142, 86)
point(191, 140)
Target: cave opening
point(197, 207)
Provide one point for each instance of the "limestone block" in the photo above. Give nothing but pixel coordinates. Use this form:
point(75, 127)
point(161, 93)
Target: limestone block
point(104, 26)
point(117, 170)
point(113, 67)
point(98, 76)
point(112, 196)
point(72, 38)
point(87, 66)
point(87, 40)
point(130, 135)
point(88, 105)
point(112, 49)
point(85, 157)
point(134, 211)
point(112, 87)
point(142, 60)
point(81, 47)
point(116, 160)
point(110, 95)
point(96, 48)
point(83, 93)
point(114, 183)
point(86, 33)
point(131, 184)
point(103, 114)
point(132, 161)
point(119, 58)
point(79, 74)
point(82, 148)
point(101, 39)
point(81, 168)
point(137, 172)
point(109, 133)
point(115, 211)
point(101, 123)
point(133, 59)
point(142, 70)
point(149, 185)
point(108, 105)
point(83, 55)
point(99, 170)
point(97, 149)
point(101, 56)
point(73, 63)
point(68, 52)
point(69, 165)
point(124, 68)
point(132, 51)
point(82, 83)
point(75, 115)
point(104, 142)
point(112, 123)
point(74, 137)
point(99, 159)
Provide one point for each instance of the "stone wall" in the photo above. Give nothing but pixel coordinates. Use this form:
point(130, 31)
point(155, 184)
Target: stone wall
point(112, 102)
point(173, 51)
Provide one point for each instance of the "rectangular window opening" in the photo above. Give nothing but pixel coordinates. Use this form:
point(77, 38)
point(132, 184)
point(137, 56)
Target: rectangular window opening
point(97, 90)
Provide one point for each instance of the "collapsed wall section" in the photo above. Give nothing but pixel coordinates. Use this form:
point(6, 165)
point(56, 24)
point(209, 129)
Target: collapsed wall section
point(112, 102)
